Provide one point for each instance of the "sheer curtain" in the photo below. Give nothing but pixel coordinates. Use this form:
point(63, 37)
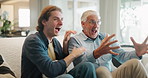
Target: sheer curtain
point(126, 18)
point(133, 20)
point(35, 8)
point(109, 11)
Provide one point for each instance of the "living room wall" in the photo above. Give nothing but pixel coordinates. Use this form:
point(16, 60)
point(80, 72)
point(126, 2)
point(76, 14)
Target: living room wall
point(12, 10)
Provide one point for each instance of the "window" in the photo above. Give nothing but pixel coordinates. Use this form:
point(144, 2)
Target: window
point(24, 17)
point(133, 20)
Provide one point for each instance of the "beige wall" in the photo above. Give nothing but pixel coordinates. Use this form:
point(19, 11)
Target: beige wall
point(35, 8)
point(109, 11)
point(12, 9)
point(17, 6)
point(9, 9)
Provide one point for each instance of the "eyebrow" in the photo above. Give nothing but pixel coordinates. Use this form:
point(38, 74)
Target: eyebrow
point(94, 20)
point(58, 17)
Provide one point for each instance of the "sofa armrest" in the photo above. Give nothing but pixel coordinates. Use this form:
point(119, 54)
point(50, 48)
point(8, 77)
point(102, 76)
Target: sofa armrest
point(5, 69)
point(145, 61)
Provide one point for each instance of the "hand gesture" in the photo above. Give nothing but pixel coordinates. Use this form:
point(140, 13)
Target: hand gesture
point(105, 47)
point(66, 39)
point(76, 52)
point(141, 49)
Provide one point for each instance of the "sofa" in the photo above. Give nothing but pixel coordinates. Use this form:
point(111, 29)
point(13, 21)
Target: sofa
point(11, 48)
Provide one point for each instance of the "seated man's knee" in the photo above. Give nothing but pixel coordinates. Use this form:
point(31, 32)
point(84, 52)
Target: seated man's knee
point(65, 76)
point(134, 62)
point(103, 72)
point(102, 69)
point(68, 76)
point(88, 65)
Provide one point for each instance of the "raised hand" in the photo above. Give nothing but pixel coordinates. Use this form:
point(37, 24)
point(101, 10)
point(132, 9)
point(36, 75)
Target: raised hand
point(105, 47)
point(141, 49)
point(66, 39)
point(67, 35)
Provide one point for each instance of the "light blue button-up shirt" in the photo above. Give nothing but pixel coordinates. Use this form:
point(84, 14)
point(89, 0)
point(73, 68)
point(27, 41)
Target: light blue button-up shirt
point(90, 45)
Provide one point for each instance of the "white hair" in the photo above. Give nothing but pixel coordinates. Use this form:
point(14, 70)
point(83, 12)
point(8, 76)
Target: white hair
point(88, 13)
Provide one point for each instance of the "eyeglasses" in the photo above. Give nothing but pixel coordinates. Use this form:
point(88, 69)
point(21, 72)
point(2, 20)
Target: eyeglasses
point(93, 22)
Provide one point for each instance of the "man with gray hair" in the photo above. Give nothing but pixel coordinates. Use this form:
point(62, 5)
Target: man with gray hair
point(102, 47)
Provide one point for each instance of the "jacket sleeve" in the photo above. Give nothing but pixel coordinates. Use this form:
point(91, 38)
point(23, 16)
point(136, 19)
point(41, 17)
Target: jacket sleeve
point(37, 52)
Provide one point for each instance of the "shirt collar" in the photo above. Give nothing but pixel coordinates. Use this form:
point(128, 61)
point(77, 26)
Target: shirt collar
point(44, 38)
point(84, 37)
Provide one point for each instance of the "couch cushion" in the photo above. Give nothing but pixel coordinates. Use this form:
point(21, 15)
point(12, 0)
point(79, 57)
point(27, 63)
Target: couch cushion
point(5, 70)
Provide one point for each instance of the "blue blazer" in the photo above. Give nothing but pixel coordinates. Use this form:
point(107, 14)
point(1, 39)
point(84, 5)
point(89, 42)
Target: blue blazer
point(35, 60)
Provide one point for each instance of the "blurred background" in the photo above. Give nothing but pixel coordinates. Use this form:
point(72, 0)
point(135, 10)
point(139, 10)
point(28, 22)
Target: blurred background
point(125, 18)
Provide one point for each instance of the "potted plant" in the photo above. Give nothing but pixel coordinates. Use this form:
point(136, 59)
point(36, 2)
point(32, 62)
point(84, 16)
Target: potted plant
point(6, 27)
point(6, 24)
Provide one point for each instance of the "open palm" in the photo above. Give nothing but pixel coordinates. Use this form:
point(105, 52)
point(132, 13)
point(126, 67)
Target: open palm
point(141, 49)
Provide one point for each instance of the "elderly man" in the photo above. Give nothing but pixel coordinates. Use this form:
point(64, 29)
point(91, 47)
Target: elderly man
point(101, 48)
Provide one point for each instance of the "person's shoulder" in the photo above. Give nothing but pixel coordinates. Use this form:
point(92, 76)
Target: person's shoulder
point(102, 34)
point(78, 35)
point(33, 37)
point(55, 39)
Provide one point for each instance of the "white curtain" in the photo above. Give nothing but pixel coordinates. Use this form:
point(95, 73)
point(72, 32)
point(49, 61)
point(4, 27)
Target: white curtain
point(109, 11)
point(35, 8)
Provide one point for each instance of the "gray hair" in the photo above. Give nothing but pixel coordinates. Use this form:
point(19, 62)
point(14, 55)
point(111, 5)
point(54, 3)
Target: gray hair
point(88, 13)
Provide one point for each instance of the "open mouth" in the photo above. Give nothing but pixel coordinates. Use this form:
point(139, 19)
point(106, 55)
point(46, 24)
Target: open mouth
point(94, 30)
point(58, 29)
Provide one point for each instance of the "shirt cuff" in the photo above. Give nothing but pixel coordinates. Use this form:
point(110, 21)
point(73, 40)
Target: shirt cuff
point(134, 55)
point(90, 57)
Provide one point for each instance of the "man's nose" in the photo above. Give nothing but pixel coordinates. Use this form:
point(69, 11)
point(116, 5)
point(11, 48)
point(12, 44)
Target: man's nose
point(96, 25)
point(60, 22)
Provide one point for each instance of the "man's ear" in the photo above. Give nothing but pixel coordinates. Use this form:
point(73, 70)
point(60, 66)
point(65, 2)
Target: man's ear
point(44, 22)
point(82, 23)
